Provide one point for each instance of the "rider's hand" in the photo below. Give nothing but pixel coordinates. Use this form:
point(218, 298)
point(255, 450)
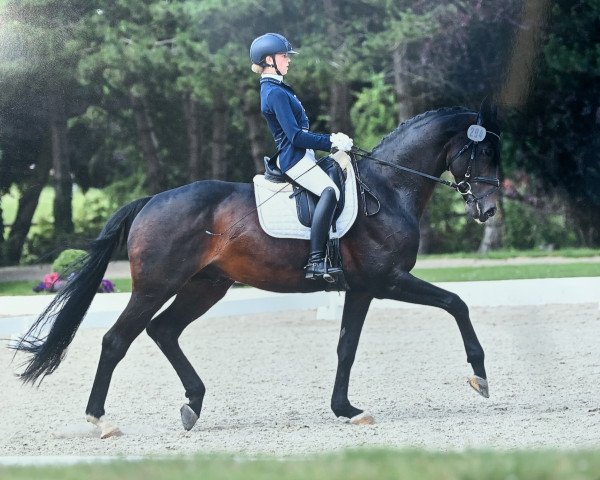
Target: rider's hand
point(341, 142)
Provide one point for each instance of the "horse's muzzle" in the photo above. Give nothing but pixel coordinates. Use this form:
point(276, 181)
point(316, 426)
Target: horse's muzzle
point(480, 211)
point(489, 213)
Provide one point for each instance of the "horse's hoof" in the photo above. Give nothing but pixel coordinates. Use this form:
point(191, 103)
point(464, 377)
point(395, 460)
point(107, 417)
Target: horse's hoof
point(362, 419)
point(480, 385)
point(188, 417)
point(106, 429)
point(110, 432)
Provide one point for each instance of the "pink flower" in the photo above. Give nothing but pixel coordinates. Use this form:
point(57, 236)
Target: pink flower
point(50, 279)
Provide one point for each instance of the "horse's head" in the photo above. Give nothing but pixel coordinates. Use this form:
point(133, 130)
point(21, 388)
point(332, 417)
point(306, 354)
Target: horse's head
point(473, 159)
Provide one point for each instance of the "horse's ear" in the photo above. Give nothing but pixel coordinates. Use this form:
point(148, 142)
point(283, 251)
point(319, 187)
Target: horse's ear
point(488, 111)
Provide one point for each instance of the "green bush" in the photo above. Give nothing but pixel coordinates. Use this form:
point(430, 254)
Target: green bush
point(67, 261)
point(90, 212)
point(527, 228)
point(453, 230)
point(374, 113)
point(40, 242)
point(90, 216)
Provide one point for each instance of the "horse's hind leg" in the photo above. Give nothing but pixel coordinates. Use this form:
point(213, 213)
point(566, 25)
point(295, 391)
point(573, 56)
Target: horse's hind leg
point(413, 290)
point(115, 343)
point(192, 301)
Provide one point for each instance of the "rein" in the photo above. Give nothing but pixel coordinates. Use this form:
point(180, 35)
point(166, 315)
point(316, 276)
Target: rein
point(365, 154)
point(463, 187)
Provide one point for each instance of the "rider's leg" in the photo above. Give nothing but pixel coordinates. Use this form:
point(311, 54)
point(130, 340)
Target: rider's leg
point(314, 179)
point(311, 176)
point(319, 233)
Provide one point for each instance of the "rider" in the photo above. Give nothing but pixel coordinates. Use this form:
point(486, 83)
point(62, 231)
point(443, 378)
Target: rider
point(287, 120)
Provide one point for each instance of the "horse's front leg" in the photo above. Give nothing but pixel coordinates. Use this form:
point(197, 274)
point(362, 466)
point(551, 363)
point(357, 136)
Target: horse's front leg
point(356, 306)
point(408, 288)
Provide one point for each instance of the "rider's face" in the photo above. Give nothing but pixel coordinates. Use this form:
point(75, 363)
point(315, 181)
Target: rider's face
point(283, 62)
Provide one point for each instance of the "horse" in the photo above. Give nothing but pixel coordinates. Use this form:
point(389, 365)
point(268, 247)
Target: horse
point(195, 241)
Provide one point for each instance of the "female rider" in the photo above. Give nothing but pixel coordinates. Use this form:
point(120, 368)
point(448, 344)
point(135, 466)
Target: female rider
point(287, 120)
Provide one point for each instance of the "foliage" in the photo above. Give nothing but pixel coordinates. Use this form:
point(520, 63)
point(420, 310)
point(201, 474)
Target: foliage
point(159, 93)
point(91, 210)
point(527, 228)
point(373, 112)
point(67, 260)
point(453, 231)
point(40, 245)
point(557, 134)
point(91, 215)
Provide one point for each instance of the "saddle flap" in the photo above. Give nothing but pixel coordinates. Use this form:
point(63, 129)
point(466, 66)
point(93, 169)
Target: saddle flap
point(306, 201)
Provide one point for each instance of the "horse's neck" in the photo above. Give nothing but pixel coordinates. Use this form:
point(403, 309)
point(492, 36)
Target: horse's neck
point(410, 189)
point(422, 148)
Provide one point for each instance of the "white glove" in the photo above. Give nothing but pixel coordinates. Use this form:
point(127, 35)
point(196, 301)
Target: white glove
point(341, 142)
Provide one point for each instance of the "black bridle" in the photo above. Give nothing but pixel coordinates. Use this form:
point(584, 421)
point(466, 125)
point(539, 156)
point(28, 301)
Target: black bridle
point(463, 187)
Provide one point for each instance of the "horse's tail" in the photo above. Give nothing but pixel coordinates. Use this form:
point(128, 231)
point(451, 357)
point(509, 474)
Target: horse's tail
point(66, 311)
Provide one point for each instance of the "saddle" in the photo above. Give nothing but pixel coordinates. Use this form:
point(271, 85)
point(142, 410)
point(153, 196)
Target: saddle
point(306, 201)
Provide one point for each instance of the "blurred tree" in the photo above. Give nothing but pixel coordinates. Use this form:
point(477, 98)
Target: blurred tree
point(25, 160)
point(444, 54)
point(557, 133)
point(137, 96)
point(39, 53)
point(128, 55)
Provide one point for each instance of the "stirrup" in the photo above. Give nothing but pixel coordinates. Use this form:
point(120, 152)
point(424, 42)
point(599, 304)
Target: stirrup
point(319, 269)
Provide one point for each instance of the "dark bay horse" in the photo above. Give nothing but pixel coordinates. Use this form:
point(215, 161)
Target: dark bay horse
point(195, 241)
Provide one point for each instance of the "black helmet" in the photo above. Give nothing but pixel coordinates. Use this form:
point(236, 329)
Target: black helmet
point(269, 44)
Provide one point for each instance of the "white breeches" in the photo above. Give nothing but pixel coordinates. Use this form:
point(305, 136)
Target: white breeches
point(312, 177)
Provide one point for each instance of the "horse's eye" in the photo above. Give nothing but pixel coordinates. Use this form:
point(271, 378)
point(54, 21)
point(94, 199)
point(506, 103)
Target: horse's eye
point(487, 151)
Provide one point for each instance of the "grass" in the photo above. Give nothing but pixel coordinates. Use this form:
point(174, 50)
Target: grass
point(348, 465)
point(24, 287)
point(505, 254)
point(451, 274)
point(507, 272)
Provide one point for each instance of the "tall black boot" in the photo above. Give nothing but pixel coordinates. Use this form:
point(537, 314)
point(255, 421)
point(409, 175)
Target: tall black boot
point(319, 233)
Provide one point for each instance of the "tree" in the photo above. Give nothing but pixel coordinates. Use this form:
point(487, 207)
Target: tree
point(443, 54)
point(25, 161)
point(559, 126)
point(41, 51)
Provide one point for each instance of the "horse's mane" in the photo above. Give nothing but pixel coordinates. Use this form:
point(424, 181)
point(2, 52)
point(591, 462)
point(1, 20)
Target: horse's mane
point(407, 124)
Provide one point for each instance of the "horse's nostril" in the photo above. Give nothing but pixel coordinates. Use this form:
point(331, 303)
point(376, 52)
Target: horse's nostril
point(490, 213)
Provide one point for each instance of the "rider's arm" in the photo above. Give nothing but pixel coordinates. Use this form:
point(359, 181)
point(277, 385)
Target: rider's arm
point(282, 107)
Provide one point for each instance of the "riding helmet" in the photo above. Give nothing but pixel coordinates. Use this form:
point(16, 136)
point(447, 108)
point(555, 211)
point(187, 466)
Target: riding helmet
point(269, 44)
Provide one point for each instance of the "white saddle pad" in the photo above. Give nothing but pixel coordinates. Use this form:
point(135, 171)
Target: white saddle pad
point(277, 211)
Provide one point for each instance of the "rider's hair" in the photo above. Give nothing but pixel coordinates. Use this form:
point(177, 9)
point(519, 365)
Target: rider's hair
point(257, 68)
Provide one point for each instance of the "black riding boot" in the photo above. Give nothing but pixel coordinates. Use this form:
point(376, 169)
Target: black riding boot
point(319, 233)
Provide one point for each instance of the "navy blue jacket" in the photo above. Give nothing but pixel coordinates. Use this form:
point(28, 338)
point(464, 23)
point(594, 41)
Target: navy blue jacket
point(288, 123)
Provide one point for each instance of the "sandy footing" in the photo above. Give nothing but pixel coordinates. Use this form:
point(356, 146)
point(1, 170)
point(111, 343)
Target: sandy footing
point(269, 379)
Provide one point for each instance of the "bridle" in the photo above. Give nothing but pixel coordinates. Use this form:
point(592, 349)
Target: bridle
point(476, 133)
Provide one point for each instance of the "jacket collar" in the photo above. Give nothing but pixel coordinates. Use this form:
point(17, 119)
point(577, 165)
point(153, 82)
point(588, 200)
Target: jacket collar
point(274, 81)
point(279, 78)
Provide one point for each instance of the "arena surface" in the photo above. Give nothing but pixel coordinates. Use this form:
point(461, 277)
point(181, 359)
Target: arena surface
point(269, 378)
